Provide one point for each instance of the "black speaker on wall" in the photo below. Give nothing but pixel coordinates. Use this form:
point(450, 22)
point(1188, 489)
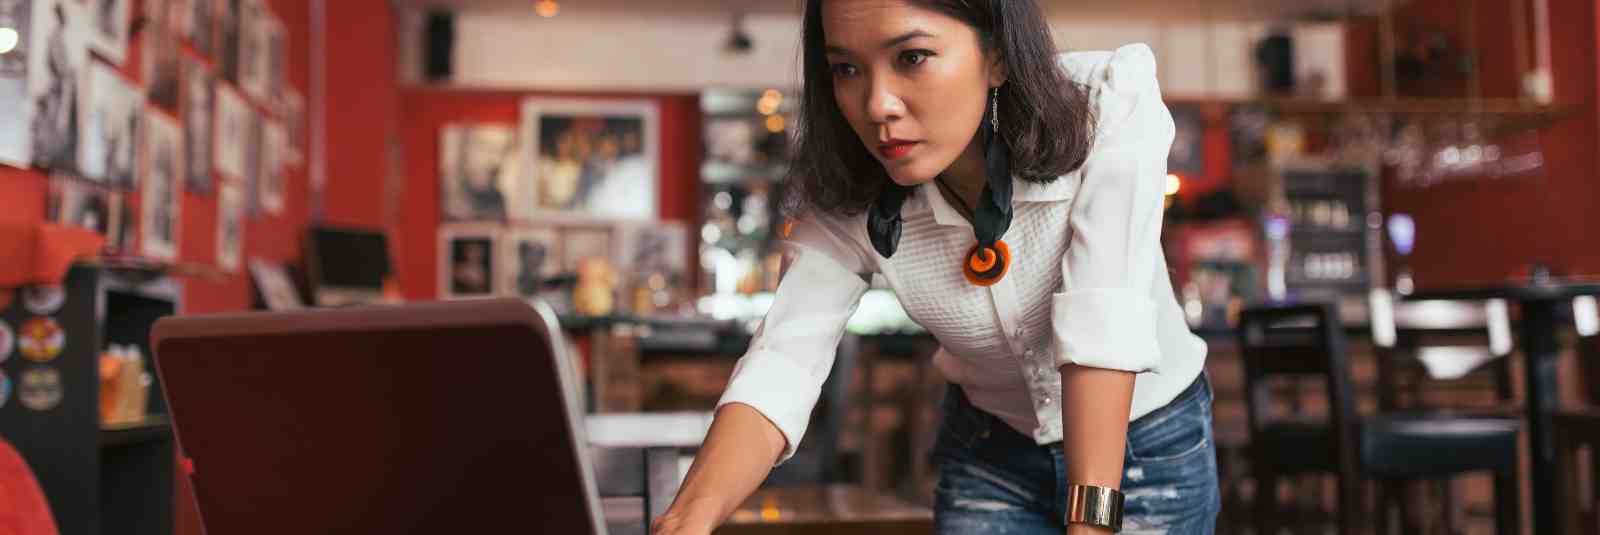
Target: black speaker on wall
point(438, 43)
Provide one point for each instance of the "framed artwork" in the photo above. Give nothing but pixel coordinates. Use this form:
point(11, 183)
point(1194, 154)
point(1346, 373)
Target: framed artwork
point(79, 204)
point(528, 256)
point(657, 246)
point(161, 171)
point(277, 290)
point(59, 35)
point(108, 22)
point(199, 92)
point(230, 226)
point(255, 24)
point(234, 118)
point(466, 261)
point(477, 169)
point(591, 158)
point(15, 141)
point(159, 58)
point(270, 179)
point(110, 109)
point(584, 241)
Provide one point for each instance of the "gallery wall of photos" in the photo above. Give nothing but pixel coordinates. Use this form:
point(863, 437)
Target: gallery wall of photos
point(574, 179)
point(172, 127)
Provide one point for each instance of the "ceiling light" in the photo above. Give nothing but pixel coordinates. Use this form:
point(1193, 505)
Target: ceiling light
point(776, 123)
point(547, 8)
point(8, 40)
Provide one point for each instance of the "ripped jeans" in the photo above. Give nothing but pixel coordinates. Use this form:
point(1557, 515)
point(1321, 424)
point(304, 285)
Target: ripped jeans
point(994, 480)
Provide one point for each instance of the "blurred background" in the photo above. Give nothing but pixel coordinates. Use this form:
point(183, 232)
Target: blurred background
point(1394, 197)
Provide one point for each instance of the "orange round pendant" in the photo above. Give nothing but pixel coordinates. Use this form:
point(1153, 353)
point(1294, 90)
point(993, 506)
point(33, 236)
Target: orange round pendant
point(985, 266)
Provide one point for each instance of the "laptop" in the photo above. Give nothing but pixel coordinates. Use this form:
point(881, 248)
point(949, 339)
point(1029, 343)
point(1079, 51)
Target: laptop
point(455, 417)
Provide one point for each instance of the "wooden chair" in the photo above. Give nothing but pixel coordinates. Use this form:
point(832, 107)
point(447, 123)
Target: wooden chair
point(1578, 429)
point(1307, 341)
point(1441, 358)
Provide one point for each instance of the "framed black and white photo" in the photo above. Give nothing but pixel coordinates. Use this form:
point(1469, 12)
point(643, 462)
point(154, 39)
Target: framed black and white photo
point(159, 57)
point(161, 173)
point(294, 125)
point(254, 155)
point(199, 90)
point(234, 117)
point(589, 158)
point(528, 256)
point(230, 226)
point(110, 109)
point(657, 247)
point(270, 179)
point(276, 290)
point(75, 203)
point(60, 50)
point(466, 260)
point(275, 50)
point(477, 167)
point(254, 25)
point(108, 32)
point(587, 241)
point(228, 30)
point(199, 24)
point(123, 226)
point(15, 140)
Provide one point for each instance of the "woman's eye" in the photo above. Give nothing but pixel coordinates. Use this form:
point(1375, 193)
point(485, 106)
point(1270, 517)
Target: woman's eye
point(914, 57)
point(843, 69)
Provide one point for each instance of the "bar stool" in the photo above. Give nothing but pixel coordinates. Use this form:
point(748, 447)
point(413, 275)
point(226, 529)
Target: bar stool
point(1307, 341)
point(1576, 429)
point(1454, 348)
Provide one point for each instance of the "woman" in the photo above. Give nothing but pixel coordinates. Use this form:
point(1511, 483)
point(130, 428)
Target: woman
point(1013, 199)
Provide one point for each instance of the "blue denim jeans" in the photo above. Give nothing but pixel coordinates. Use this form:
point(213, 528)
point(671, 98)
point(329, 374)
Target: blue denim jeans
point(994, 480)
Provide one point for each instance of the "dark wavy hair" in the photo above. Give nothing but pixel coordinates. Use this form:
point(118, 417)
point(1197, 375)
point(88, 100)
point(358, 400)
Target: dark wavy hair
point(1044, 118)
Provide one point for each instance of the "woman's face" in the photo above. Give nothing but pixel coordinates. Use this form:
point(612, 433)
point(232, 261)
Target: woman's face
point(912, 83)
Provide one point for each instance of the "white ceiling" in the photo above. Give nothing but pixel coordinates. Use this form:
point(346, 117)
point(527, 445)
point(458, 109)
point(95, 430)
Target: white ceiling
point(1155, 10)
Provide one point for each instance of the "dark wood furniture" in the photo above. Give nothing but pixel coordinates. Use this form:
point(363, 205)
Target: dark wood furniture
point(1306, 341)
point(1540, 306)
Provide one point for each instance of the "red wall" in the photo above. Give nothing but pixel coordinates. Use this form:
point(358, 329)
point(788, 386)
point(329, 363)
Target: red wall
point(1482, 231)
point(427, 110)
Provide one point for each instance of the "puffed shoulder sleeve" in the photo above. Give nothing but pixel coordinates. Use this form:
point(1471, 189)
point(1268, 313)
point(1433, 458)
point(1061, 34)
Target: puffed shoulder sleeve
point(1104, 317)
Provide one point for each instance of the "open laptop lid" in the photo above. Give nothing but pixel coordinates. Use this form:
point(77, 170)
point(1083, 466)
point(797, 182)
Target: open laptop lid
point(451, 417)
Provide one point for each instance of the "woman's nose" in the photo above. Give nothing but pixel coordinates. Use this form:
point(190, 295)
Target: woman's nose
point(883, 103)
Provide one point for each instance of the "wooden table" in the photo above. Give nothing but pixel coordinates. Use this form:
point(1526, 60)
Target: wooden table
point(1540, 305)
point(831, 510)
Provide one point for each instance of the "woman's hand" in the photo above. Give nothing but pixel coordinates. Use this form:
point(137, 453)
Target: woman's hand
point(692, 518)
point(672, 524)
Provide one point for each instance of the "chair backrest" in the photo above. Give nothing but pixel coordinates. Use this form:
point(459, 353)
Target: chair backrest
point(1425, 342)
point(1297, 341)
point(25, 510)
point(1586, 317)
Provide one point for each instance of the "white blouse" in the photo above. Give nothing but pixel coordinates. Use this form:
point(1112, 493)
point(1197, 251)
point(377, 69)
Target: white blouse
point(1103, 302)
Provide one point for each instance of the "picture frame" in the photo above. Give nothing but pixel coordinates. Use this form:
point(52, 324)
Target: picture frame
point(478, 171)
point(161, 180)
point(529, 255)
point(588, 158)
point(277, 291)
point(466, 261)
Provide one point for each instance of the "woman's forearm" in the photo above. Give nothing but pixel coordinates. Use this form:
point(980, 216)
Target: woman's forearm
point(1094, 424)
point(738, 452)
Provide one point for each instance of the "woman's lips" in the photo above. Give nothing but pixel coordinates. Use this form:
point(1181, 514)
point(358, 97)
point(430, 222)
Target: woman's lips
point(895, 150)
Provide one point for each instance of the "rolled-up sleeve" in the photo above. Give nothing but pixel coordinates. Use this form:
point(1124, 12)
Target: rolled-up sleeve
point(781, 375)
point(1104, 316)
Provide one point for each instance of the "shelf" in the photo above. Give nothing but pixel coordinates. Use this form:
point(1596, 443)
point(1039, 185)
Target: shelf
point(1515, 114)
point(155, 428)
